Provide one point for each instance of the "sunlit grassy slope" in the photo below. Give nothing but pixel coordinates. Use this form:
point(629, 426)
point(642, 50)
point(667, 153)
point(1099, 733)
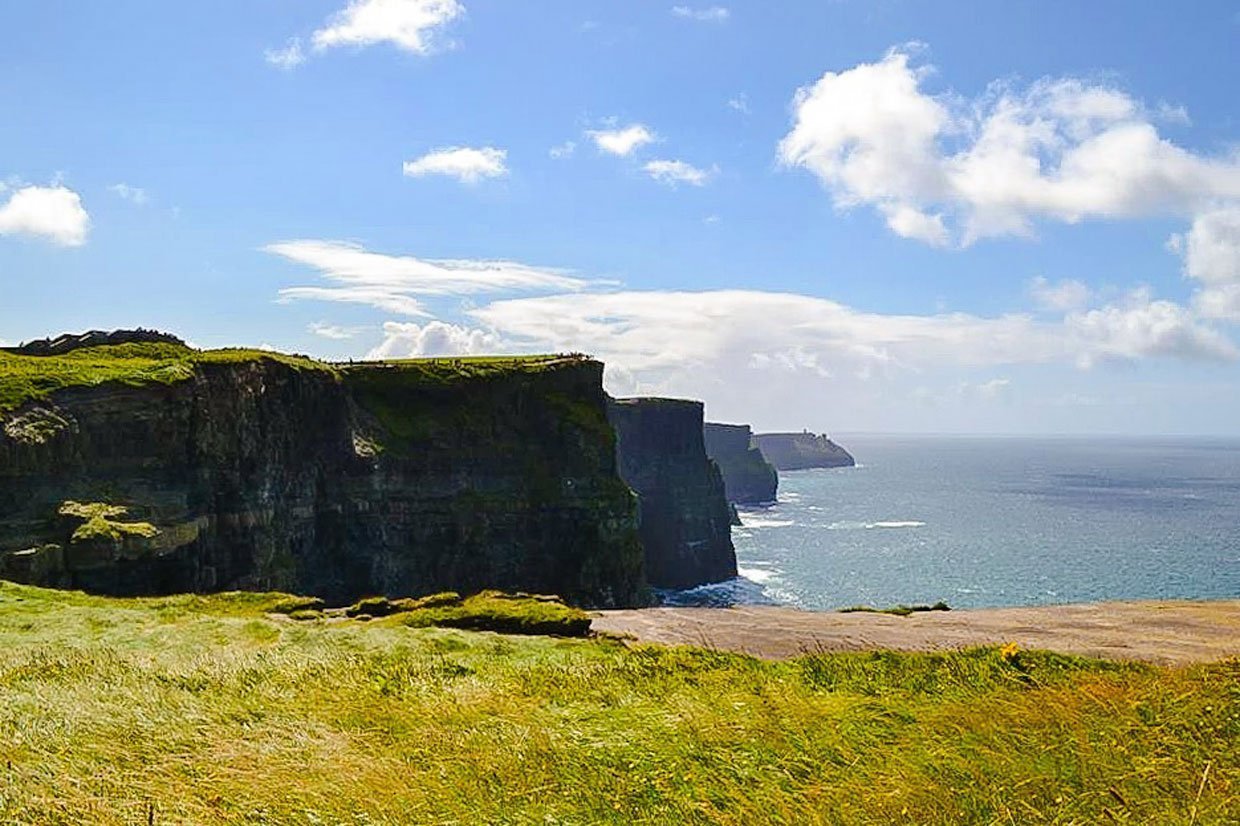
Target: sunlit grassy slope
point(26, 378)
point(211, 710)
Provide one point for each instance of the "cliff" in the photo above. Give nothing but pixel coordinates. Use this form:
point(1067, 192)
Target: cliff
point(797, 451)
point(685, 520)
point(149, 468)
point(748, 478)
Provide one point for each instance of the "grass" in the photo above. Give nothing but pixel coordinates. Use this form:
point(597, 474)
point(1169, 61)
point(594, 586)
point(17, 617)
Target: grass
point(214, 710)
point(896, 610)
point(30, 378)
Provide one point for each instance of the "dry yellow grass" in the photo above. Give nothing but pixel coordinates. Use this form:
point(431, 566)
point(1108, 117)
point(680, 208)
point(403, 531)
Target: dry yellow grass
point(212, 710)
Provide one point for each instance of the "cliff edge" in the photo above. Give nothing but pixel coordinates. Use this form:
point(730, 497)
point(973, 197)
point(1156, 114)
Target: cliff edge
point(685, 520)
point(798, 451)
point(150, 467)
point(748, 478)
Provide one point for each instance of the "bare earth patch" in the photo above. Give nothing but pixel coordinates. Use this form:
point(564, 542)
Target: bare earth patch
point(1170, 633)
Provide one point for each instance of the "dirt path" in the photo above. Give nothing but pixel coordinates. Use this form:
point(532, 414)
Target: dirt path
point(1159, 632)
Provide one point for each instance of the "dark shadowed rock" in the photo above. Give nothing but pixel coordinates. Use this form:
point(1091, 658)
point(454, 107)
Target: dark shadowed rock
point(798, 451)
point(748, 478)
point(685, 521)
point(340, 482)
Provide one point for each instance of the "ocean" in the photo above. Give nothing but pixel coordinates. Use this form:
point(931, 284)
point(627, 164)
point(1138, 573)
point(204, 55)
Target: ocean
point(995, 521)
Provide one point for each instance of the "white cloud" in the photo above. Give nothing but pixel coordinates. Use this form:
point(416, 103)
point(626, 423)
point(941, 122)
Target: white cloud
point(435, 338)
point(1211, 252)
point(1060, 149)
point(396, 283)
point(1065, 295)
point(52, 213)
point(135, 195)
point(678, 172)
point(412, 25)
point(657, 335)
point(991, 390)
point(623, 141)
point(466, 164)
point(740, 103)
point(332, 331)
point(709, 14)
point(290, 57)
point(1142, 327)
point(564, 150)
point(1212, 247)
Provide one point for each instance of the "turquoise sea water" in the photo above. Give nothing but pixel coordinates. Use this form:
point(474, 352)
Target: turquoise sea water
point(979, 521)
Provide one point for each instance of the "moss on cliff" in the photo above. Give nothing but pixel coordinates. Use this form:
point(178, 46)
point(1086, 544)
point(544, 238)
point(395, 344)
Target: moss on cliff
point(99, 522)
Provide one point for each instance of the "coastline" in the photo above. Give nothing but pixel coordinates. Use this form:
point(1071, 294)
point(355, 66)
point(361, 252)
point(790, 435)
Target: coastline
point(1163, 632)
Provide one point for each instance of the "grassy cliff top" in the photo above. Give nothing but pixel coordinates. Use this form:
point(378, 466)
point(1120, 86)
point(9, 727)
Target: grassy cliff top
point(213, 710)
point(26, 378)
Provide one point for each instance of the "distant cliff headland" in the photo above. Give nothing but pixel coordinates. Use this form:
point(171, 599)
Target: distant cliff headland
point(748, 477)
point(133, 464)
point(800, 451)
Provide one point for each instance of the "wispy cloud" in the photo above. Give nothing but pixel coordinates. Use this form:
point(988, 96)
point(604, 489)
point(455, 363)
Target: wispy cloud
point(466, 164)
point(135, 195)
point(289, 57)
point(707, 14)
point(398, 283)
point(678, 172)
point(740, 103)
point(333, 331)
point(563, 150)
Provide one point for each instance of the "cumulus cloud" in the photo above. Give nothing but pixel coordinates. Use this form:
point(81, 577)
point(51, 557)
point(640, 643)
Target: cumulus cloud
point(435, 338)
point(1142, 327)
point(622, 141)
point(396, 283)
point(50, 213)
point(132, 194)
point(709, 14)
point(1065, 295)
point(942, 169)
point(466, 164)
point(678, 172)
point(290, 57)
point(413, 25)
point(1211, 252)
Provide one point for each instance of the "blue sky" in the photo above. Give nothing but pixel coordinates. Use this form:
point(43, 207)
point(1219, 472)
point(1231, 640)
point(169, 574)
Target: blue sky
point(1018, 217)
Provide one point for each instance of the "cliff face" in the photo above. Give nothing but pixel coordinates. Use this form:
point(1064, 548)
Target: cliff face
point(685, 520)
point(260, 474)
point(797, 451)
point(748, 478)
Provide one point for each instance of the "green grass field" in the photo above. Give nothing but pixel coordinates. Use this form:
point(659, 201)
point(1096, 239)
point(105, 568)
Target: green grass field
point(29, 378)
point(213, 710)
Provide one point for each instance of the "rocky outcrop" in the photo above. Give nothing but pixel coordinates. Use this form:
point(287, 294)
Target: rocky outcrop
point(798, 451)
point(69, 342)
point(685, 520)
point(261, 473)
point(748, 478)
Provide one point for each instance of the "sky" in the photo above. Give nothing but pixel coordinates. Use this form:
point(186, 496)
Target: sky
point(839, 216)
